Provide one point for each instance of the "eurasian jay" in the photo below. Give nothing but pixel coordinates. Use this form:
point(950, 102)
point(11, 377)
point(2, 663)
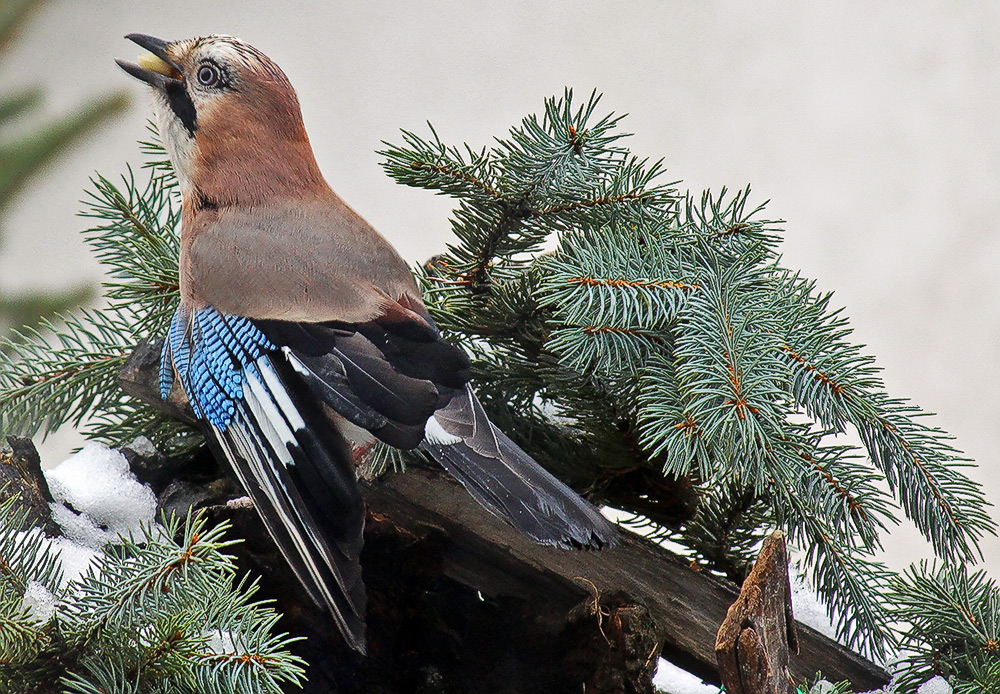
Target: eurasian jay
point(301, 331)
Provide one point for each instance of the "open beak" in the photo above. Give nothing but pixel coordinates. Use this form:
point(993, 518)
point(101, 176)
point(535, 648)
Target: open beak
point(155, 68)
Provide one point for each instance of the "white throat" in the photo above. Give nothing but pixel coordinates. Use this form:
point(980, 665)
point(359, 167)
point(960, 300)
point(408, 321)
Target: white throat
point(178, 142)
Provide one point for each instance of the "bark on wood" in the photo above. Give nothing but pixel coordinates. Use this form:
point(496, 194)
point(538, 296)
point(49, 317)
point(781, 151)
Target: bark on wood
point(140, 379)
point(21, 477)
point(754, 642)
point(687, 606)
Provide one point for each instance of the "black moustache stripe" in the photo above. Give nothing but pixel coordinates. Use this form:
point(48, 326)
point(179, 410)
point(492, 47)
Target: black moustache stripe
point(182, 106)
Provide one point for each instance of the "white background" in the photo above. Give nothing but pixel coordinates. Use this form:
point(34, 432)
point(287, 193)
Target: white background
point(871, 126)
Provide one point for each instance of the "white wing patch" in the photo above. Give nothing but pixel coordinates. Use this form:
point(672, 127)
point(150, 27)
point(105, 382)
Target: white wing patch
point(434, 433)
point(277, 391)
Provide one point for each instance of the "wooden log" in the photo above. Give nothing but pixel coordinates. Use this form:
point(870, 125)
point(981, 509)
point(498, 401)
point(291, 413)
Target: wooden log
point(686, 605)
point(754, 641)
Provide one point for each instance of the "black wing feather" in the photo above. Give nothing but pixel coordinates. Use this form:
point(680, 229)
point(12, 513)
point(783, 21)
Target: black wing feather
point(509, 482)
point(299, 473)
point(406, 372)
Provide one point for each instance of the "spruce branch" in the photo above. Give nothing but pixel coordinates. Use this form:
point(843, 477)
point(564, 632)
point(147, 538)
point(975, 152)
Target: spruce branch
point(842, 570)
point(953, 626)
point(547, 173)
point(725, 533)
point(161, 611)
point(661, 340)
point(65, 371)
point(27, 563)
point(432, 165)
point(836, 384)
point(615, 276)
point(47, 382)
point(663, 333)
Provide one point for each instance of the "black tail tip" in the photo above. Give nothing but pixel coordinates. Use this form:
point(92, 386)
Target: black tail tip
point(598, 538)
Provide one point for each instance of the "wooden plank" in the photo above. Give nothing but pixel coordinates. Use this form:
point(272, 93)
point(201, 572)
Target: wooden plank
point(483, 552)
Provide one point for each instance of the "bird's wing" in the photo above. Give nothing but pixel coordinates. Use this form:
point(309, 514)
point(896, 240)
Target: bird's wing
point(509, 482)
point(386, 375)
point(296, 467)
point(397, 377)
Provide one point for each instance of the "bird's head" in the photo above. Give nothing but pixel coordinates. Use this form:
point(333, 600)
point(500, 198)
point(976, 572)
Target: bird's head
point(229, 118)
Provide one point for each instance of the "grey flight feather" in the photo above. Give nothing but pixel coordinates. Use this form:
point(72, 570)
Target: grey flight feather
point(510, 484)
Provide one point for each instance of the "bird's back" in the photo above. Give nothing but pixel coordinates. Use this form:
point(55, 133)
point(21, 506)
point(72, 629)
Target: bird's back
point(308, 259)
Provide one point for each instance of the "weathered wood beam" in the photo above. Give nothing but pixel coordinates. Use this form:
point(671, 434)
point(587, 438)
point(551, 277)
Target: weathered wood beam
point(21, 476)
point(687, 605)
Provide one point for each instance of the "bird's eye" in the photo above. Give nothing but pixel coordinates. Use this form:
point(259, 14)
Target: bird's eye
point(208, 75)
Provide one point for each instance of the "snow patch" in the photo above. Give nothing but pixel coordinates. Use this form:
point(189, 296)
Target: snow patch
point(40, 603)
point(808, 608)
point(887, 689)
point(221, 641)
point(97, 499)
point(935, 685)
point(108, 499)
point(78, 528)
point(673, 680)
point(552, 412)
point(75, 559)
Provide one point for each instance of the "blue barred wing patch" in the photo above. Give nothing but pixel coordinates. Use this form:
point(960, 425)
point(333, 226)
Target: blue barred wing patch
point(211, 353)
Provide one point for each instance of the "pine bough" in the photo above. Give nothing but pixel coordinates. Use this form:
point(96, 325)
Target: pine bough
point(615, 325)
point(162, 612)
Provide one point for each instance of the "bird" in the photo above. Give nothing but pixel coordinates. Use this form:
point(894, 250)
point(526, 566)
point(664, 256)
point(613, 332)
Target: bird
point(301, 334)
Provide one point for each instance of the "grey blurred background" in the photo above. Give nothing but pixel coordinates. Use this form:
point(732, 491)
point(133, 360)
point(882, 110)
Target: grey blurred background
point(871, 126)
